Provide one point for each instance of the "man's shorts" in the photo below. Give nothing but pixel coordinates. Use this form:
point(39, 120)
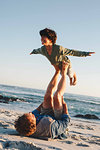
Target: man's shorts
point(48, 111)
point(51, 112)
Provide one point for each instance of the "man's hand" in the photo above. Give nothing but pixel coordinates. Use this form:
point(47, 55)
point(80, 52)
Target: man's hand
point(39, 107)
point(65, 110)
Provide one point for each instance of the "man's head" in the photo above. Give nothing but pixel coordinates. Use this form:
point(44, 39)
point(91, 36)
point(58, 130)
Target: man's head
point(26, 124)
point(48, 33)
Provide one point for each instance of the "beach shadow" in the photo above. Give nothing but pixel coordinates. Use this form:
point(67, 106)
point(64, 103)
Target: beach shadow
point(20, 145)
point(50, 147)
point(83, 145)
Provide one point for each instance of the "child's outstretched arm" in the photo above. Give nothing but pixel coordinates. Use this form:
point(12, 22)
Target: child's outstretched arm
point(73, 52)
point(37, 51)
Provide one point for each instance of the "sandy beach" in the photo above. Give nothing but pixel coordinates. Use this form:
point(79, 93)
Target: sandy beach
point(82, 134)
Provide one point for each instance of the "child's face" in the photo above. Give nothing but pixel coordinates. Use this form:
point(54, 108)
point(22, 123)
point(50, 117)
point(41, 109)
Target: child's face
point(45, 41)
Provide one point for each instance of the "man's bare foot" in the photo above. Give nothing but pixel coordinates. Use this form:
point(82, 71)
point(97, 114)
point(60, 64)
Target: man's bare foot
point(64, 67)
point(56, 68)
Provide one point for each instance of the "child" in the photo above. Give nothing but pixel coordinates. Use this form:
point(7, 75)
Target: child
point(56, 53)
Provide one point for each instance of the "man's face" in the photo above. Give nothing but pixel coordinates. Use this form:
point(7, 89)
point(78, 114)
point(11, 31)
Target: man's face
point(45, 41)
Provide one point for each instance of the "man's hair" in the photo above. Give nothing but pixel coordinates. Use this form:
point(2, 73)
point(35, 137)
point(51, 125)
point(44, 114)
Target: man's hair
point(25, 125)
point(50, 34)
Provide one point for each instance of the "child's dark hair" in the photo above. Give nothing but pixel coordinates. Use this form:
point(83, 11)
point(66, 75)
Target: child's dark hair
point(25, 126)
point(50, 34)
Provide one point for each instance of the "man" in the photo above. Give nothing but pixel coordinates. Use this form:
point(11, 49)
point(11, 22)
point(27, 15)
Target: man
point(51, 118)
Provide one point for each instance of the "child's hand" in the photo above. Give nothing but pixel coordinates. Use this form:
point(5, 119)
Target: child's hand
point(91, 53)
point(30, 53)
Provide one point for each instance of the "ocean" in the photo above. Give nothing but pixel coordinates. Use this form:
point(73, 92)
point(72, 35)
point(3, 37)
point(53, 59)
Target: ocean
point(27, 99)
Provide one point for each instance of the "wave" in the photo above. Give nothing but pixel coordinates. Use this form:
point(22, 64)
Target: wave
point(39, 96)
point(12, 97)
point(82, 101)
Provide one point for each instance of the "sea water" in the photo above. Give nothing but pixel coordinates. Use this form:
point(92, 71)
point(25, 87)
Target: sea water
point(77, 104)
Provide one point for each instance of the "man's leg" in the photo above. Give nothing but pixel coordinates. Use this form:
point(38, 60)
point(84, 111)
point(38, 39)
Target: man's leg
point(58, 96)
point(48, 98)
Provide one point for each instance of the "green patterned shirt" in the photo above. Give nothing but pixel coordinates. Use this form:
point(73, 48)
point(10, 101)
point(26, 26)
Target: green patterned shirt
point(59, 54)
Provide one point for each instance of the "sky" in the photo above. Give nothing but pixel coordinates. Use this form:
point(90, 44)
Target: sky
point(77, 24)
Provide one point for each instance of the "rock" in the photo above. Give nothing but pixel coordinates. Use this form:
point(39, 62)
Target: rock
point(79, 115)
point(5, 99)
point(87, 116)
point(1, 96)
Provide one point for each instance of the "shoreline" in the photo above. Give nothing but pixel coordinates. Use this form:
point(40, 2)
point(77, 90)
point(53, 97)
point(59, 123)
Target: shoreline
point(82, 134)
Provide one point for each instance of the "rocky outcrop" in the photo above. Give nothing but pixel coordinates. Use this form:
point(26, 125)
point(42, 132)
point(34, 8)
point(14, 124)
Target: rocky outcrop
point(6, 99)
point(87, 116)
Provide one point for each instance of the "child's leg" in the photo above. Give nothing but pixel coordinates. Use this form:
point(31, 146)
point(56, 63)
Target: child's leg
point(72, 75)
